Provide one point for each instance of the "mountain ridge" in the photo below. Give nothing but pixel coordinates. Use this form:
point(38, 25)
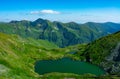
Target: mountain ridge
point(62, 34)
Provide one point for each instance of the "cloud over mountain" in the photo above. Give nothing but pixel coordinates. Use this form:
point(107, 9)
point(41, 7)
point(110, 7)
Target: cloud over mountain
point(45, 12)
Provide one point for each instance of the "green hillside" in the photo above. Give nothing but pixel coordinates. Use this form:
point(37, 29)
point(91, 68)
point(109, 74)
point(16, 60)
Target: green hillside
point(62, 34)
point(18, 55)
point(105, 52)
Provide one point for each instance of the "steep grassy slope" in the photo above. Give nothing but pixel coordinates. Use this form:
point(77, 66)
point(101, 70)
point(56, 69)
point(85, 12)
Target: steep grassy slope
point(62, 34)
point(17, 56)
point(105, 52)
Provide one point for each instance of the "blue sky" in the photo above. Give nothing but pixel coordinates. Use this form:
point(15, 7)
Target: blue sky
point(80, 11)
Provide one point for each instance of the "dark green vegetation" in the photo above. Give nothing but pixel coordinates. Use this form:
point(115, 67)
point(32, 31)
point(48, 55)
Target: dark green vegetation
point(62, 34)
point(105, 52)
point(66, 65)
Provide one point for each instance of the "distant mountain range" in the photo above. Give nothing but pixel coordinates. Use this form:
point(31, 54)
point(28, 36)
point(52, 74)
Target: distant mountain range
point(62, 34)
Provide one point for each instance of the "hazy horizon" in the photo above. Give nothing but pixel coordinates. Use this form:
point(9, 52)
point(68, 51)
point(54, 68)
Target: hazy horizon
point(59, 21)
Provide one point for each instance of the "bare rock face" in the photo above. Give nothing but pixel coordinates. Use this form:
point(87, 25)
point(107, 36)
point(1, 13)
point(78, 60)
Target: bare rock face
point(112, 62)
point(115, 55)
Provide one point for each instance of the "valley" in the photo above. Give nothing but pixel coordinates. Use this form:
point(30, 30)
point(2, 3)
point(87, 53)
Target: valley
point(60, 39)
point(20, 52)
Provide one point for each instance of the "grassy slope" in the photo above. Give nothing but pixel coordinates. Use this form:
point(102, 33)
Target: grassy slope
point(101, 48)
point(18, 55)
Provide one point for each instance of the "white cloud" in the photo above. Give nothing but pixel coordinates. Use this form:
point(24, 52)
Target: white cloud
point(45, 12)
point(50, 12)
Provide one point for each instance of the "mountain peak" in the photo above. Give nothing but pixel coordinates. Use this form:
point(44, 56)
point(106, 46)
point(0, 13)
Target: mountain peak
point(39, 20)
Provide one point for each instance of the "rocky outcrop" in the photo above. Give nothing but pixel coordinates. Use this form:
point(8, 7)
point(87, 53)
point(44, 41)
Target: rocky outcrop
point(115, 55)
point(112, 62)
